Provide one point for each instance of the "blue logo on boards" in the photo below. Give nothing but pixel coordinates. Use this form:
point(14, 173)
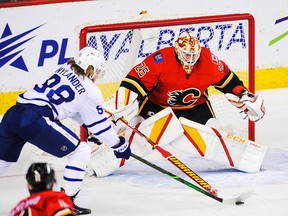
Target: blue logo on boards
point(11, 48)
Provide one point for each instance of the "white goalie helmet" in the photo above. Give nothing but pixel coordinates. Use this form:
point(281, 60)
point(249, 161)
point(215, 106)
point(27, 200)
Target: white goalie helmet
point(188, 49)
point(90, 56)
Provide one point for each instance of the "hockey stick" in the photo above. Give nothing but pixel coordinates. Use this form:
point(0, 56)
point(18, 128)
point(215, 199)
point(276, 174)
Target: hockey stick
point(238, 200)
point(172, 159)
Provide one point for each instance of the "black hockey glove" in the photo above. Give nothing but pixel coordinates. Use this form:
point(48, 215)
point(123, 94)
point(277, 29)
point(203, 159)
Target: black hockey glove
point(94, 140)
point(91, 138)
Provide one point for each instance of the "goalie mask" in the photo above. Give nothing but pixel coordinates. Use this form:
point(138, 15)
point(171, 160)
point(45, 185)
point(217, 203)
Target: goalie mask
point(188, 49)
point(90, 56)
point(40, 177)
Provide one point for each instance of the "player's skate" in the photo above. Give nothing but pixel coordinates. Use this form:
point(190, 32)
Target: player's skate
point(77, 209)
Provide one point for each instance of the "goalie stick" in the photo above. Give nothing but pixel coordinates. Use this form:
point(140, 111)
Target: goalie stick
point(238, 200)
point(172, 159)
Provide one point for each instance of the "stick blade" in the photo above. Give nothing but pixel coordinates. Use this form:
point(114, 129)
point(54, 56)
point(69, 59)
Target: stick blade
point(238, 200)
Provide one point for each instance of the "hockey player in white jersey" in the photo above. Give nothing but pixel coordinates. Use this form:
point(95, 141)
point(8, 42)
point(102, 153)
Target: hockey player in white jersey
point(69, 93)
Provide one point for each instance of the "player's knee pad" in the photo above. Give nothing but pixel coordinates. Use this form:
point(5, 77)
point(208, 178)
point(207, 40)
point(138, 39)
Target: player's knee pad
point(80, 157)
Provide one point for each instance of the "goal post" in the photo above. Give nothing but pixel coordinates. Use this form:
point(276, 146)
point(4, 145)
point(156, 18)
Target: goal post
point(127, 41)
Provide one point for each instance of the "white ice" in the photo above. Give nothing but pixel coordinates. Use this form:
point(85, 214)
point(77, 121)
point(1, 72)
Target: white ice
point(138, 190)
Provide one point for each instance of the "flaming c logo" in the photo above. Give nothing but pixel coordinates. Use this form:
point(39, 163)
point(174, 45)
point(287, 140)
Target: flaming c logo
point(183, 97)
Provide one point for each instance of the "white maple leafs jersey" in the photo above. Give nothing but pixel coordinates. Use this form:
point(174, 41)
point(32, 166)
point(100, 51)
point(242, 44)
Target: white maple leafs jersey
point(72, 96)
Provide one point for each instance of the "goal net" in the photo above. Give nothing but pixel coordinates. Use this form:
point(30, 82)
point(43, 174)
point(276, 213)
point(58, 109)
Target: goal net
point(126, 42)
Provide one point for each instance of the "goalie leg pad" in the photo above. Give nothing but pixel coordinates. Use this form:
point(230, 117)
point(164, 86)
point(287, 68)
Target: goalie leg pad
point(220, 146)
point(162, 128)
point(103, 161)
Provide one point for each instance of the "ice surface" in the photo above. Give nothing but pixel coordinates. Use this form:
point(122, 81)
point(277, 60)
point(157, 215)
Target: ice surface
point(138, 190)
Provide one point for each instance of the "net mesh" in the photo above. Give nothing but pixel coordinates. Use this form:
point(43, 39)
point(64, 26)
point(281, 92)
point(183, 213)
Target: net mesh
point(125, 45)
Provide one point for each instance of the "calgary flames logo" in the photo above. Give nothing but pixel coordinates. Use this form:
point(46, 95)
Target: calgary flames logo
point(185, 97)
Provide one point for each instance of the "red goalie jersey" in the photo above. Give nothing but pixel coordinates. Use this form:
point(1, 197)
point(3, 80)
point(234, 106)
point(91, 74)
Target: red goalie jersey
point(46, 203)
point(162, 78)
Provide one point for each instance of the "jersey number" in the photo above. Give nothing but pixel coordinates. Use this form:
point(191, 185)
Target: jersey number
point(57, 94)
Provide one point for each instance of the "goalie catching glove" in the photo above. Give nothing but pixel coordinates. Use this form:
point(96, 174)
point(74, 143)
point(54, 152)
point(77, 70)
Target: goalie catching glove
point(123, 104)
point(251, 104)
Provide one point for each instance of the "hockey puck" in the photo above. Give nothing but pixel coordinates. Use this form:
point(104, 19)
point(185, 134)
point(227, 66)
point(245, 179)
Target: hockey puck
point(239, 202)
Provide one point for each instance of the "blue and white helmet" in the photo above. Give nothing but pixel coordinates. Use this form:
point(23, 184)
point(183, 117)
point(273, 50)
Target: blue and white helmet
point(90, 56)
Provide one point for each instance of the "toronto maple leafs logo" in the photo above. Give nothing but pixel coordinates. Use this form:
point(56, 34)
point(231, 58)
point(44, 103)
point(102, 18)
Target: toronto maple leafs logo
point(11, 47)
point(185, 97)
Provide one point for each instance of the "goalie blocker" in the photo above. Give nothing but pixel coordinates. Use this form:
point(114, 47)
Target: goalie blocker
point(122, 104)
point(164, 128)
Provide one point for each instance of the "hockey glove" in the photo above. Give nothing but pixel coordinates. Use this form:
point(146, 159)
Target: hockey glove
point(251, 104)
point(122, 150)
point(92, 138)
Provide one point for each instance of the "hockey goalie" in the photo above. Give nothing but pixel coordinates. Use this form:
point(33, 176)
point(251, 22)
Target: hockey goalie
point(168, 94)
point(165, 129)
